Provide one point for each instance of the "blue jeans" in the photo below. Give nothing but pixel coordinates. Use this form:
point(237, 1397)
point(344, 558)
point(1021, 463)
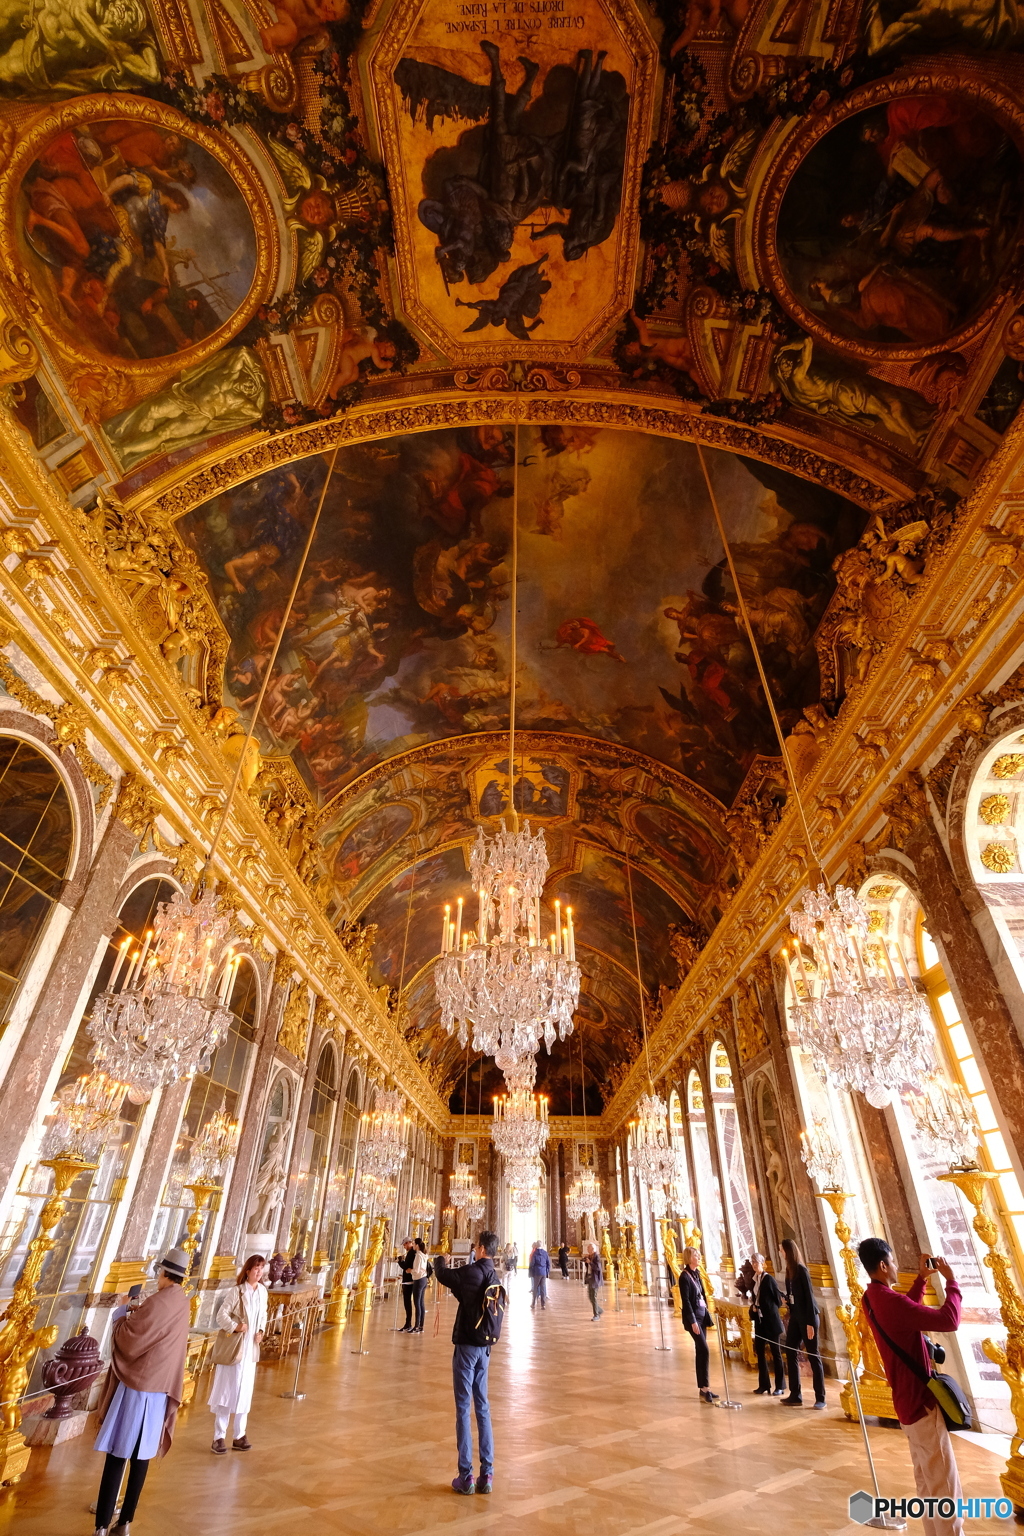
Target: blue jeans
point(470, 1364)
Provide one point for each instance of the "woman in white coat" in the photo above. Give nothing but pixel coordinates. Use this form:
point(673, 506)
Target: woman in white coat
point(244, 1311)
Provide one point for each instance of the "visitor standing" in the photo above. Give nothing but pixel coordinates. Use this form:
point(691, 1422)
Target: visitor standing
point(242, 1319)
point(421, 1273)
point(899, 1324)
point(563, 1259)
point(595, 1279)
point(405, 1264)
point(471, 1361)
point(540, 1268)
point(142, 1392)
point(765, 1301)
point(801, 1328)
point(693, 1304)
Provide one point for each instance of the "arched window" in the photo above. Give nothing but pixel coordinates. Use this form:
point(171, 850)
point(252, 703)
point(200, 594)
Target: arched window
point(730, 1155)
point(309, 1191)
point(710, 1215)
point(962, 1066)
point(70, 1271)
point(222, 1087)
point(36, 838)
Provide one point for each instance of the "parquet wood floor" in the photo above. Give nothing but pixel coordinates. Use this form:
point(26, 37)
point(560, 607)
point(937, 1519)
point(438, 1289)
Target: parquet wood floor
point(596, 1433)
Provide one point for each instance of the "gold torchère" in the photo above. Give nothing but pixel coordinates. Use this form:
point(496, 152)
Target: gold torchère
point(672, 1257)
point(875, 1392)
point(608, 1258)
point(1010, 1359)
point(629, 1261)
point(19, 1337)
point(200, 1191)
point(363, 1299)
point(337, 1309)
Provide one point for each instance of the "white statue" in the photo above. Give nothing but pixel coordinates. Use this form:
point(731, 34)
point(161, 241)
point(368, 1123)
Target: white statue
point(268, 1195)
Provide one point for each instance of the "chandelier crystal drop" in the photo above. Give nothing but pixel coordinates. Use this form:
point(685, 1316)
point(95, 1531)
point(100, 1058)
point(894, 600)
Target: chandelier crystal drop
point(384, 1136)
point(215, 1146)
point(165, 1007)
point(514, 987)
point(855, 1007)
point(946, 1117)
point(652, 1153)
point(86, 1118)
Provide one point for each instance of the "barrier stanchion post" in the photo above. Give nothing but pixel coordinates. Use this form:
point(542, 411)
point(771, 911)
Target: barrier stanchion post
point(295, 1394)
point(726, 1401)
point(878, 1522)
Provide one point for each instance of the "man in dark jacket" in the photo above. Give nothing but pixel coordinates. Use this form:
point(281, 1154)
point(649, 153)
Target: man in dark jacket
point(471, 1361)
point(563, 1260)
point(540, 1268)
point(595, 1279)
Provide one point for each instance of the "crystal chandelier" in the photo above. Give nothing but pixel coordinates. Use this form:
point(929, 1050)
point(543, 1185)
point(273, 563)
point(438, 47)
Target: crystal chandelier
point(384, 1136)
point(584, 1196)
point(822, 1157)
point(165, 1006)
point(653, 1155)
point(946, 1117)
point(477, 1205)
point(856, 1012)
point(669, 1201)
point(86, 1118)
point(460, 1187)
point(523, 1175)
point(422, 1210)
point(515, 987)
point(215, 1146)
point(520, 1127)
point(625, 1214)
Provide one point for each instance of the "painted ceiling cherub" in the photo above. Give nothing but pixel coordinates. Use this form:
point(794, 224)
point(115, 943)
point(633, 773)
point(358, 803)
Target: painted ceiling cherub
point(317, 212)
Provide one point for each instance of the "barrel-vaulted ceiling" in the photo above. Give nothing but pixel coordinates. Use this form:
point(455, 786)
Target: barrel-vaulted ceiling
point(237, 233)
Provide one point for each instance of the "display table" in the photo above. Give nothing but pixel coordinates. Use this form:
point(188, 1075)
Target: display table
point(287, 1305)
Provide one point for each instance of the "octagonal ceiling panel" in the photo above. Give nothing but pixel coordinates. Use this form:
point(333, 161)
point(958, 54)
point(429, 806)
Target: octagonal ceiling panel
point(515, 135)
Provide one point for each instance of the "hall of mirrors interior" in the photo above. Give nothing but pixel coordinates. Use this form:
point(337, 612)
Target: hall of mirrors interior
point(679, 575)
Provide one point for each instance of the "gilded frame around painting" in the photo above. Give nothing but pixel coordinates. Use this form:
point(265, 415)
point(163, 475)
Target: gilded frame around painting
point(983, 93)
point(18, 284)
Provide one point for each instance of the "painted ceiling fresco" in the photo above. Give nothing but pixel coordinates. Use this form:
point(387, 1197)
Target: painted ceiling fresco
point(628, 625)
point(236, 233)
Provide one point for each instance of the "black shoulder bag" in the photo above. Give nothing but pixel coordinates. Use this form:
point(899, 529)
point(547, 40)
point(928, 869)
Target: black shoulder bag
point(946, 1390)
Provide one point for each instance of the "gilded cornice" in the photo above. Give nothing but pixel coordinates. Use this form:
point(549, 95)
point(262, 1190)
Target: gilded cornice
point(179, 490)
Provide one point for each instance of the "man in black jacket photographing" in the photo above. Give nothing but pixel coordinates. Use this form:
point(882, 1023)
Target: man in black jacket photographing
point(471, 1361)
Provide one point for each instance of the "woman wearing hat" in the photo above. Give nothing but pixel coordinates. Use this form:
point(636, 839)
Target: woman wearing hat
point(142, 1392)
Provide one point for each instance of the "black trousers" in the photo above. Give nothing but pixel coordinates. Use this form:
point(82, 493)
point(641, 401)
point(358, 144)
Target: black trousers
point(418, 1289)
point(700, 1344)
point(407, 1301)
point(761, 1348)
point(110, 1486)
point(796, 1340)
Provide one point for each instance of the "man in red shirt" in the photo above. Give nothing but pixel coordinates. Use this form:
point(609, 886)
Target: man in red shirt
point(903, 1320)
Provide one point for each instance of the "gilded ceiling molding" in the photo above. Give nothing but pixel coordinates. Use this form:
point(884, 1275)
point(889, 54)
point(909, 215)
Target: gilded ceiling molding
point(219, 469)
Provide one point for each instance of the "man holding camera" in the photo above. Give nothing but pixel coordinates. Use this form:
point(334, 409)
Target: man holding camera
point(471, 1361)
point(899, 1324)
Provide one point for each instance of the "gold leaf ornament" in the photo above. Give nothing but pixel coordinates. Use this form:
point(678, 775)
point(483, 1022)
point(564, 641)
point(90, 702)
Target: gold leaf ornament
point(1008, 766)
point(998, 858)
point(994, 810)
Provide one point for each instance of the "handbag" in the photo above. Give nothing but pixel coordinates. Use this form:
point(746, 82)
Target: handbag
point(228, 1345)
point(946, 1390)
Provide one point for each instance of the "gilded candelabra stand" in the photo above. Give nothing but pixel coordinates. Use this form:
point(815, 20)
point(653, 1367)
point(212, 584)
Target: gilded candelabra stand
point(337, 1309)
point(608, 1258)
point(670, 1248)
point(200, 1191)
point(1008, 1357)
point(875, 1392)
point(19, 1337)
point(630, 1269)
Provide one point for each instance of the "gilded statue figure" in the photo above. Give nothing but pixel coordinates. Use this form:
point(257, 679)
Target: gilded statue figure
point(229, 390)
point(855, 397)
point(353, 1237)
